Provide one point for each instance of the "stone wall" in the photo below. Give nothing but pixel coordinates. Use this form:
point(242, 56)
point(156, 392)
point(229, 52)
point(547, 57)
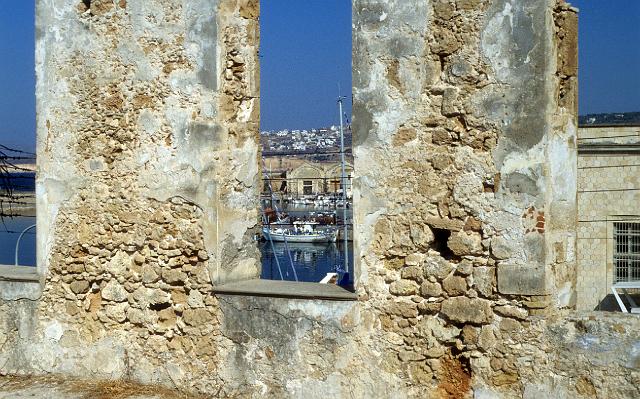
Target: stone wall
point(444, 96)
point(141, 103)
point(465, 174)
point(147, 187)
point(608, 192)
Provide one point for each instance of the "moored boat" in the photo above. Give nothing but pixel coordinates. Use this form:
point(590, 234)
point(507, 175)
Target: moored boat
point(300, 233)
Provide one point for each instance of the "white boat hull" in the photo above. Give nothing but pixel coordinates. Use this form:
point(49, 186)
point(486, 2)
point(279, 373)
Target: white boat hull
point(312, 238)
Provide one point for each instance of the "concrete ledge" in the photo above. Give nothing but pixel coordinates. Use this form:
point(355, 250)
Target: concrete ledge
point(286, 289)
point(19, 273)
point(19, 282)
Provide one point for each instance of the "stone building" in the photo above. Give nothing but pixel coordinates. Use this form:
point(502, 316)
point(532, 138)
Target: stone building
point(332, 177)
point(318, 178)
point(306, 179)
point(608, 211)
point(464, 210)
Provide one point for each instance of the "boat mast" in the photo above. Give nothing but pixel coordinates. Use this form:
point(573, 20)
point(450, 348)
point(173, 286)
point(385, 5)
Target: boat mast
point(343, 179)
point(286, 244)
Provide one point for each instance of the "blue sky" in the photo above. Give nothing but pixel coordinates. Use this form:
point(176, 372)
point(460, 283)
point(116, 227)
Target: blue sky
point(609, 55)
point(306, 54)
point(17, 75)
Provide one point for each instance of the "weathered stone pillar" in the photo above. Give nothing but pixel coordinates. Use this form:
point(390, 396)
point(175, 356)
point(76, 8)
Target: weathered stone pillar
point(143, 107)
point(469, 110)
point(147, 185)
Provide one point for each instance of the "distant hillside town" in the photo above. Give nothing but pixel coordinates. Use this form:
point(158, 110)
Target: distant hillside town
point(615, 118)
point(319, 144)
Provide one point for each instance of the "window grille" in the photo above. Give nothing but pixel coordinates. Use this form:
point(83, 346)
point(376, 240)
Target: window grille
point(626, 251)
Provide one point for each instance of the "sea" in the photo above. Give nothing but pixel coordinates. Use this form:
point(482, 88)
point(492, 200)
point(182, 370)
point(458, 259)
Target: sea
point(10, 229)
point(19, 181)
point(308, 262)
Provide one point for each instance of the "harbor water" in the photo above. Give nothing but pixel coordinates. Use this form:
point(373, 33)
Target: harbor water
point(10, 229)
point(311, 261)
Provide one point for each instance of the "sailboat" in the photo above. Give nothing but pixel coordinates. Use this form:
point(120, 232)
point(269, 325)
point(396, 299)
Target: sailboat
point(300, 232)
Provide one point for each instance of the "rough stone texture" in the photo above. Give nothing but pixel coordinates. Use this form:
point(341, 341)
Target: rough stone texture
point(147, 188)
point(480, 167)
point(141, 104)
point(464, 129)
point(608, 192)
point(58, 387)
point(467, 310)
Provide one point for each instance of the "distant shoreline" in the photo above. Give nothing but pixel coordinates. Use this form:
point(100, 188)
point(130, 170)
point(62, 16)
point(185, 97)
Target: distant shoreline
point(20, 203)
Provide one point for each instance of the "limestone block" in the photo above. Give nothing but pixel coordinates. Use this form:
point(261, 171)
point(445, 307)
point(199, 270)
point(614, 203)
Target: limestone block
point(402, 308)
point(410, 356)
point(197, 317)
point(483, 280)
point(157, 296)
point(470, 334)
point(195, 299)
point(465, 243)
point(487, 338)
point(117, 312)
point(114, 291)
point(437, 267)
point(149, 275)
point(450, 107)
point(79, 287)
point(455, 285)
point(509, 325)
point(511, 311)
point(13, 290)
point(465, 268)
point(426, 307)
point(403, 287)
point(412, 273)
point(444, 223)
point(501, 248)
point(524, 279)
point(414, 259)
point(167, 318)
point(421, 235)
point(430, 290)
point(173, 276)
point(136, 316)
point(467, 310)
point(119, 264)
point(436, 327)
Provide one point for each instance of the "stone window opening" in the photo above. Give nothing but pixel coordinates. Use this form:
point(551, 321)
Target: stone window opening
point(20, 268)
point(307, 186)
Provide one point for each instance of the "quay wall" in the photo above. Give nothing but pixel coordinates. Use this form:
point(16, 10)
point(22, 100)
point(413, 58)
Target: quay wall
point(464, 207)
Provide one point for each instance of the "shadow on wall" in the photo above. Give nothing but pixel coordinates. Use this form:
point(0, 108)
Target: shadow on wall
point(609, 304)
